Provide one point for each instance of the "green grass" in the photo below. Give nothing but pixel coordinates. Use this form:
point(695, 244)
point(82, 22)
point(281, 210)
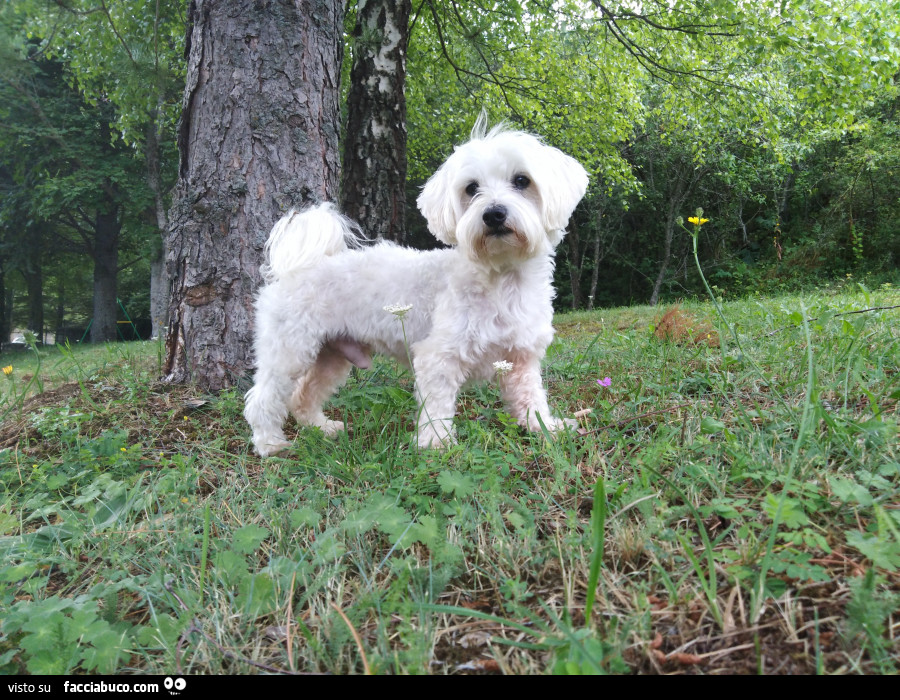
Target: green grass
point(36, 370)
point(732, 508)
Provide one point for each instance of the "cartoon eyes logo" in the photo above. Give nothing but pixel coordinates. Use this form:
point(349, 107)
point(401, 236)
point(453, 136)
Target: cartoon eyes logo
point(176, 684)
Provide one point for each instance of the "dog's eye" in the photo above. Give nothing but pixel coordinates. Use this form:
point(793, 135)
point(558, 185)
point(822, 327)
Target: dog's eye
point(520, 182)
point(472, 189)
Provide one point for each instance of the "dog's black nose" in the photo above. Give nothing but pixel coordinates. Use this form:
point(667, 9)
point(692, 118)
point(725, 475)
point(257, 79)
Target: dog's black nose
point(494, 216)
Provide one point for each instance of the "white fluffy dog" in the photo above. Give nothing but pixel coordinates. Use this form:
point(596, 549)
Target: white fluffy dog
point(479, 308)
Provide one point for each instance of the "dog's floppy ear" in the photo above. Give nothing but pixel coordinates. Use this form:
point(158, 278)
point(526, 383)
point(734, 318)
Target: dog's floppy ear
point(562, 182)
point(439, 207)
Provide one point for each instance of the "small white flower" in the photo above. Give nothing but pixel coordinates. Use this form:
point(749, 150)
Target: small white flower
point(399, 310)
point(502, 366)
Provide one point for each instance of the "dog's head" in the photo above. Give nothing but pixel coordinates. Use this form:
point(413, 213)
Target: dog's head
point(502, 196)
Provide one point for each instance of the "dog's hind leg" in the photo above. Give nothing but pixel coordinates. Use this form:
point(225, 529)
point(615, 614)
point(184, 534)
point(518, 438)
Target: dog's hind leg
point(265, 409)
point(279, 363)
point(313, 389)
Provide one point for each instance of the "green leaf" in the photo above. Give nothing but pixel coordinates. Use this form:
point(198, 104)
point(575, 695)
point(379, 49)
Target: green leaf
point(48, 663)
point(428, 531)
point(358, 522)
point(848, 491)
point(44, 638)
point(256, 595)
point(164, 633)
point(328, 547)
point(248, 538)
point(305, 517)
point(83, 624)
point(883, 553)
point(723, 507)
point(17, 573)
point(109, 649)
point(231, 567)
point(515, 519)
point(452, 481)
point(789, 511)
point(709, 425)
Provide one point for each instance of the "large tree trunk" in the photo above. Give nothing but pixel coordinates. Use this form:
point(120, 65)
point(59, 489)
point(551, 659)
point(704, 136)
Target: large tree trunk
point(106, 269)
point(258, 136)
point(374, 178)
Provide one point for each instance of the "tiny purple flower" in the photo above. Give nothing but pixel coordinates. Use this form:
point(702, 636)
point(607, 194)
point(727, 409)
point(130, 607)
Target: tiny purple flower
point(605, 382)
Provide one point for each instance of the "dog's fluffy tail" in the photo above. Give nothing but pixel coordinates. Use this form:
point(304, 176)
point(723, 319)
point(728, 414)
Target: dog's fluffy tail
point(301, 239)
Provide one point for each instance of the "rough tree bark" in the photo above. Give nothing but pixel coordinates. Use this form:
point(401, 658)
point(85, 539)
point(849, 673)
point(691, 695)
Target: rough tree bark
point(374, 179)
point(258, 135)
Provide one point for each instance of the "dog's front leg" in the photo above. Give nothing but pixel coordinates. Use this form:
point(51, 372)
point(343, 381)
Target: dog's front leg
point(523, 391)
point(438, 379)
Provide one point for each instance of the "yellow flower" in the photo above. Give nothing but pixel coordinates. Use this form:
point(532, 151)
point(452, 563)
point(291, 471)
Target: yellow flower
point(696, 220)
point(7, 370)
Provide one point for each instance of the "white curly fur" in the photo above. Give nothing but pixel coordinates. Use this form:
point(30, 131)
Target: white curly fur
point(501, 201)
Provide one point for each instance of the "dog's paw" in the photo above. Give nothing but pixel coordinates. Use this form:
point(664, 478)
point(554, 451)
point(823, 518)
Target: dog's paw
point(553, 424)
point(432, 439)
point(332, 427)
point(268, 448)
point(565, 423)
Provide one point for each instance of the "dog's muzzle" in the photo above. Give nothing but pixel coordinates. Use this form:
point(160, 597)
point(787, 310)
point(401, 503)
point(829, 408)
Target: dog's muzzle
point(494, 218)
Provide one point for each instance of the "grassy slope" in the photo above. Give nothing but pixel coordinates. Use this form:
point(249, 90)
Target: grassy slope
point(747, 522)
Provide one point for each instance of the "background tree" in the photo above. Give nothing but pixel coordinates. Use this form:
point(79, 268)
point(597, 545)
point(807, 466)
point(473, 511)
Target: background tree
point(127, 53)
point(373, 182)
point(258, 135)
point(71, 181)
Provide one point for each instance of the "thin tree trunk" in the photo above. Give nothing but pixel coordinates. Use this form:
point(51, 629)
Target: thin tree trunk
point(684, 180)
point(60, 305)
point(8, 297)
point(374, 177)
point(595, 273)
point(667, 253)
point(258, 136)
point(5, 307)
point(159, 287)
point(106, 269)
point(573, 243)
point(32, 271)
point(34, 286)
